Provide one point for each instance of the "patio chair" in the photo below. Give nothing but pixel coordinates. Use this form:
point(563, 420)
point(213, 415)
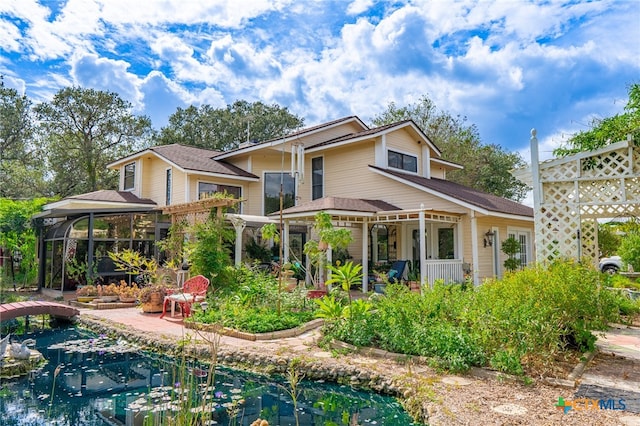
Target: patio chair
point(397, 273)
point(193, 290)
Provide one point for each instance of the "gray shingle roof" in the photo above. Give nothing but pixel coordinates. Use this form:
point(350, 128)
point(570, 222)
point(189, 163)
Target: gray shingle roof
point(463, 193)
point(111, 196)
point(198, 159)
point(342, 204)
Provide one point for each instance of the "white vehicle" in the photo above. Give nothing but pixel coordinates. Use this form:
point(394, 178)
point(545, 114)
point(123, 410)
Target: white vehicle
point(610, 265)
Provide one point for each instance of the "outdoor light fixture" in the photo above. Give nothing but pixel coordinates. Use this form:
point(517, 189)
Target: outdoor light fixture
point(488, 238)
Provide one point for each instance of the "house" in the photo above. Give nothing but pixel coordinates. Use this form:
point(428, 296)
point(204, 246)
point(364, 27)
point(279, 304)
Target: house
point(388, 184)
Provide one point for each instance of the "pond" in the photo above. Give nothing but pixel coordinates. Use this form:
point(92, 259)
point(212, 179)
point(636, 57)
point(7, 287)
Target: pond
point(99, 381)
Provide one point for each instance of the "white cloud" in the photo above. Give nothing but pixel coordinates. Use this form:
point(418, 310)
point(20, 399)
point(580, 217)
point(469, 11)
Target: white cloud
point(91, 71)
point(359, 6)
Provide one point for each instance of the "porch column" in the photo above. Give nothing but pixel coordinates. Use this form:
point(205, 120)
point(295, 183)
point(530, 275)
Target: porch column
point(365, 257)
point(374, 244)
point(285, 240)
point(474, 248)
point(423, 247)
point(239, 225)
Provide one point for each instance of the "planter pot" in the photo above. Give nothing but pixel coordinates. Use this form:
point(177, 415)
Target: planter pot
point(128, 299)
point(86, 299)
point(151, 308)
point(379, 288)
point(154, 304)
point(323, 245)
point(110, 299)
point(316, 294)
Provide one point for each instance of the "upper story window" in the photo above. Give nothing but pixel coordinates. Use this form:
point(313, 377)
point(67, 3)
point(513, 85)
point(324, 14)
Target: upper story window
point(272, 191)
point(168, 188)
point(407, 162)
point(317, 178)
point(207, 189)
point(129, 176)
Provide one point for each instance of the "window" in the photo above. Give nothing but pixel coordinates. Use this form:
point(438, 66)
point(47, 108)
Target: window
point(129, 176)
point(207, 189)
point(401, 161)
point(272, 191)
point(168, 191)
point(317, 178)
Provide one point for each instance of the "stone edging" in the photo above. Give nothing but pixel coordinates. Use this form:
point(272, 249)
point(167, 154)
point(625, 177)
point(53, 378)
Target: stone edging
point(102, 305)
point(482, 373)
point(282, 334)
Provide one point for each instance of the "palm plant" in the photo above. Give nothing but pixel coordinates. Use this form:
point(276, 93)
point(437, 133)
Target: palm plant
point(346, 276)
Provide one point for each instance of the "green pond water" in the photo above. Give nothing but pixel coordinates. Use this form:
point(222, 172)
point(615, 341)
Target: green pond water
point(92, 380)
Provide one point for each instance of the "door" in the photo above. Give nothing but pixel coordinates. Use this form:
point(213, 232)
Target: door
point(524, 238)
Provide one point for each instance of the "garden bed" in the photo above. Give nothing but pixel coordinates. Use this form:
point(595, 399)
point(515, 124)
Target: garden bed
point(102, 305)
point(281, 334)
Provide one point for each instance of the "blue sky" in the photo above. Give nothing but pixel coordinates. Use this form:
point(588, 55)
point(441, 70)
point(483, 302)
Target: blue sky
point(507, 66)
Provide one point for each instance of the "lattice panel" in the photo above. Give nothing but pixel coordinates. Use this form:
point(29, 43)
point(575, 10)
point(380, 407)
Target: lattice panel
point(589, 240)
point(608, 211)
point(559, 192)
point(601, 191)
point(566, 171)
point(632, 189)
point(576, 193)
point(556, 232)
point(614, 163)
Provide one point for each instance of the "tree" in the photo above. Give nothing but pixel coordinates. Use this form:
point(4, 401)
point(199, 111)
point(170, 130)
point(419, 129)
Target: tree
point(486, 167)
point(226, 128)
point(83, 131)
point(20, 174)
point(18, 236)
point(608, 130)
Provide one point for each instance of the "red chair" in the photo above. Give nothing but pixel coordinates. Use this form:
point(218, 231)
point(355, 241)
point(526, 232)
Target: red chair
point(193, 290)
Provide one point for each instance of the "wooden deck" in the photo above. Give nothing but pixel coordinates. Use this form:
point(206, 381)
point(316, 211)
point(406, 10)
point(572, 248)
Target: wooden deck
point(18, 309)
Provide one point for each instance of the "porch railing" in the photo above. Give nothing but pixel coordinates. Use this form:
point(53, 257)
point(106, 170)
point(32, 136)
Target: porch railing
point(448, 270)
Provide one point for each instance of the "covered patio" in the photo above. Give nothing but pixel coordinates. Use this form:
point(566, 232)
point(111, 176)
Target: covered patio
point(431, 241)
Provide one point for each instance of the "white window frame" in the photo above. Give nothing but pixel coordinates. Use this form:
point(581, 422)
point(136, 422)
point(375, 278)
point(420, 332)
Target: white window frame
point(322, 184)
point(168, 182)
point(408, 154)
point(264, 176)
point(124, 176)
point(199, 181)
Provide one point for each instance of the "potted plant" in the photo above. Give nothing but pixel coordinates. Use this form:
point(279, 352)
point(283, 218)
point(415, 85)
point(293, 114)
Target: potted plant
point(108, 293)
point(87, 293)
point(413, 277)
point(151, 297)
point(128, 293)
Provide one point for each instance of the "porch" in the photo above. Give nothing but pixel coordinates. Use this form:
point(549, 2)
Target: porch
point(431, 241)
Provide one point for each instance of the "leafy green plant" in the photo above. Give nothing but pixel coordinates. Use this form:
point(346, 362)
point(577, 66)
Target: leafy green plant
point(345, 276)
point(511, 247)
point(629, 249)
point(329, 307)
point(209, 252)
point(134, 263)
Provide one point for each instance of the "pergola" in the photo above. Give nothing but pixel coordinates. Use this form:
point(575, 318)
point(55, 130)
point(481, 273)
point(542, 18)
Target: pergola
point(572, 193)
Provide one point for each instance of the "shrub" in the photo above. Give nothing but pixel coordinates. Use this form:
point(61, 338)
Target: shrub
point(514, 325)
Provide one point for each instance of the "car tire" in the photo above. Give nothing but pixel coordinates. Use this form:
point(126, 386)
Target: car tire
point(610, 269)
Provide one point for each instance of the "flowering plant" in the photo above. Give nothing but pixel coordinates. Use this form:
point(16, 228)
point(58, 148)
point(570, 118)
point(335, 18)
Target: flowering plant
point(128, 291)
point(108, 290)
point(87, 290)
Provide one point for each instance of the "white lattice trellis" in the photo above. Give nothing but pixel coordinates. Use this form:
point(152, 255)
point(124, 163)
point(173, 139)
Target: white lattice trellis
point(575, 191)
